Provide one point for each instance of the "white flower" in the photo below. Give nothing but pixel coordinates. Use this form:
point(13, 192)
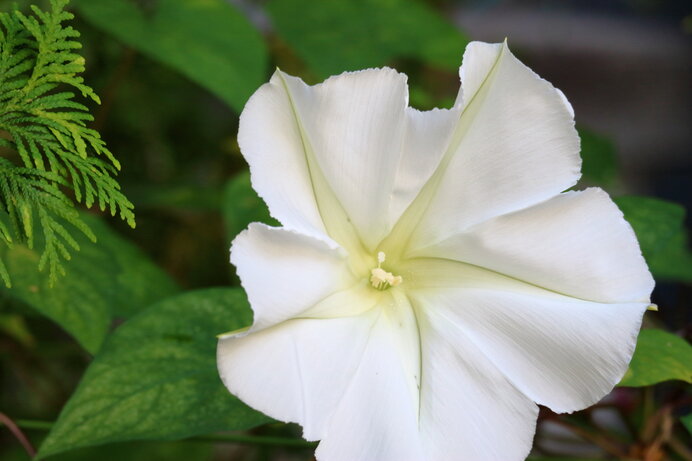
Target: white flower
point(432, 283)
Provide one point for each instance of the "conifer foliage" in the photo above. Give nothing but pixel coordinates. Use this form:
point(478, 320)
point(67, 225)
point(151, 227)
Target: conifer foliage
point(49, 158)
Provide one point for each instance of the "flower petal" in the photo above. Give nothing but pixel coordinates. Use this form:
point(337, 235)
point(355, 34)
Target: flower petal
point(577, 244)
point(296, 371)
point(561, 352)
point(344, 154)
point(469, 410)
point(286, 273)
point(427, 136)
point(377, 418)
point(270, 140)
point(513, 146)
point(349, 375)
point(354, 125)
point(462, 404)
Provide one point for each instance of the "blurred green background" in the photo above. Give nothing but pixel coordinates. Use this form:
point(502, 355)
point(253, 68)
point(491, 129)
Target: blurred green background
point(173, 76)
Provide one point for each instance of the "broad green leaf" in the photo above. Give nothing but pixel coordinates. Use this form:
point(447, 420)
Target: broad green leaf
point(106, 278)
point(599, 163)
point(209, 41)
point(655, 221)
point(334, 35)
point(156, 377)
point(659, 356)
point(242, 206)
point(674, 260)
point(661, 234)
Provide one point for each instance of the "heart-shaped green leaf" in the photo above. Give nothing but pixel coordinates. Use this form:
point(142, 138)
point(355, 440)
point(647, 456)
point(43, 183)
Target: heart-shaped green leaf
point(106, 278)
point(155, 377)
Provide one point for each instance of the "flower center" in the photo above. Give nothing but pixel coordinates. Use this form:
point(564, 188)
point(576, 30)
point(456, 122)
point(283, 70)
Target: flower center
point(380, 278)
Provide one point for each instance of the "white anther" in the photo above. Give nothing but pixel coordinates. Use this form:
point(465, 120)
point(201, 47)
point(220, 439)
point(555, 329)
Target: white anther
point(380, 278)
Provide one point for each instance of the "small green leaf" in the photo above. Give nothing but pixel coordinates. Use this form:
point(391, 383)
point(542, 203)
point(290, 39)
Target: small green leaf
point(659, 356)
point(242, 206)
point(333, 35)
point(209, 41)
point(51, 158)
point(156, 377)
point(661, 234)
point(106, 278)
point(599, 163)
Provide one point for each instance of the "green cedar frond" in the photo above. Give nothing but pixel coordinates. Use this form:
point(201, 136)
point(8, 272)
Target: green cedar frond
point(49, 149)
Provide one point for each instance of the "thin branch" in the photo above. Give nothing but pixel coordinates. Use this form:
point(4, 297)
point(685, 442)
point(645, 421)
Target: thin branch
point(680, 448)
point(18, 434)
point(34, 425)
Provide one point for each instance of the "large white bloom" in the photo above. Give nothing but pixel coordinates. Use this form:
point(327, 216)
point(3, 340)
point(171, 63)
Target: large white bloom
point(432, 283)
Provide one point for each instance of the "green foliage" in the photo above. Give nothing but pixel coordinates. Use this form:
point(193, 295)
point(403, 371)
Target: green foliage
point(44, 128)
point(156, 377)
point(153, 373)
point(180, 197)
point(687, 422)
point(599, 163)
point(242, 205)
point(659, 356)
point(333, 35)
point(15, 327)
point(206, 40)
point(661, 234)
point(105, 279)
point(15, 5)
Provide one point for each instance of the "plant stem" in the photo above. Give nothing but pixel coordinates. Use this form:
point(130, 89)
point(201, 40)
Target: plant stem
point(256, 440)
point(242, 439)
point(19, 435)
point(33, 424)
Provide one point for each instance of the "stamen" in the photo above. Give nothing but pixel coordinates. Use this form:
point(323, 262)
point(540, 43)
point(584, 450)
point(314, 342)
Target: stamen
point(380, 278)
